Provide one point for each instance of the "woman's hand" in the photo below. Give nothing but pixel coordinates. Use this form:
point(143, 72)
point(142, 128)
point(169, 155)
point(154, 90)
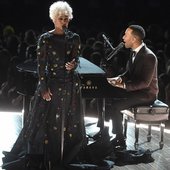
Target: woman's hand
point(47, 95)
point(70, 65)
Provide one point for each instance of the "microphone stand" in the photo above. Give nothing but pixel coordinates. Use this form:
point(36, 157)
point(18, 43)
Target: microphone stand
point(62, 127)
point(63, 103)
point(115, 51)
point(108, 42)
point(101, 102)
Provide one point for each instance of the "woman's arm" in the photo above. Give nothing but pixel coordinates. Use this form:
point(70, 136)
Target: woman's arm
point(42, 63)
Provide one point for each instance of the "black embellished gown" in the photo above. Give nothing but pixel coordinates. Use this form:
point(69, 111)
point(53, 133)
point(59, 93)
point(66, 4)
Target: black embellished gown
point(41, 136)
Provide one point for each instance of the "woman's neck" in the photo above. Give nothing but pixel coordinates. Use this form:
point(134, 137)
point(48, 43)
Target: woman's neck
point(57, 31)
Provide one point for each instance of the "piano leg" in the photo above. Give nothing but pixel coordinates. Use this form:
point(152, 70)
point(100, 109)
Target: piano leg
point(26, 104)
point(84, 106)
point(101, 105)
point(104, 131)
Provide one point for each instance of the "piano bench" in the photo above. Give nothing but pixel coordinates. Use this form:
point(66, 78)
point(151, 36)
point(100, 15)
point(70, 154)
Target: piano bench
point(155, 114)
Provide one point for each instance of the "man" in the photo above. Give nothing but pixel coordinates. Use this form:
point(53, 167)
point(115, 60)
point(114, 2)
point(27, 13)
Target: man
point(138, 85)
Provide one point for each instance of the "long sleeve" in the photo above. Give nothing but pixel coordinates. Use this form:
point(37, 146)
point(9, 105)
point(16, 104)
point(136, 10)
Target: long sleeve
point(75, 47)
point(143, 79)
point(42, 63)
point(142, 75)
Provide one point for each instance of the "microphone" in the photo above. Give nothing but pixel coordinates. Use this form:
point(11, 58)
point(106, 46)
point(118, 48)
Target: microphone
point(65, 29)
point(66, 32)
point(115, 51)
point(107, 40)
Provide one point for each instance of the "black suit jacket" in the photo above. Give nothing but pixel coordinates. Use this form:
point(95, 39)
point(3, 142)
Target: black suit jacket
point(142, 74)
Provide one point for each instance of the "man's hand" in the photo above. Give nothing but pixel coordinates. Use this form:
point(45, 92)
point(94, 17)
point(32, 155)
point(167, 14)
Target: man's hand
point(116, 82)
point(120, 85)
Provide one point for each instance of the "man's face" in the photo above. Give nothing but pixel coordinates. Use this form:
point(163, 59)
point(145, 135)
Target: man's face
point(128, 38)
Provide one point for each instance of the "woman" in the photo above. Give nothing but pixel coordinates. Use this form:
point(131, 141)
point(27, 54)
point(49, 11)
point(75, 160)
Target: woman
point(54, 129)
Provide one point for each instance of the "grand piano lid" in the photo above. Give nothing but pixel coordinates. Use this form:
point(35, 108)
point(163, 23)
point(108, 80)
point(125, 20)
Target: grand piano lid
point(29, 66)
point(85, 67)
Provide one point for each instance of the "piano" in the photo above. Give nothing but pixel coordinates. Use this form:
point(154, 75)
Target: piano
point(91, 76)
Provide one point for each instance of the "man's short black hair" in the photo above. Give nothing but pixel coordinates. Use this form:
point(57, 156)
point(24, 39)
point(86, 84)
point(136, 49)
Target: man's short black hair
point(138, 31)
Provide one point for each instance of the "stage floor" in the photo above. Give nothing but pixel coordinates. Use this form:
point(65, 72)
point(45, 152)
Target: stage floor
point(11, 123)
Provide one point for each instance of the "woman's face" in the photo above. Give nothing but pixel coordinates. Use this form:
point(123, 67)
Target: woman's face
point(61, 21)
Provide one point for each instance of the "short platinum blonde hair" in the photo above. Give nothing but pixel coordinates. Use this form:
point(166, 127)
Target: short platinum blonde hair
point(60, 8)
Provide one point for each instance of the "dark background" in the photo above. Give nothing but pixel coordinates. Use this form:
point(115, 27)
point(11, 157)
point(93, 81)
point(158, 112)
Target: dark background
point(94, 16)
point(110, 16)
